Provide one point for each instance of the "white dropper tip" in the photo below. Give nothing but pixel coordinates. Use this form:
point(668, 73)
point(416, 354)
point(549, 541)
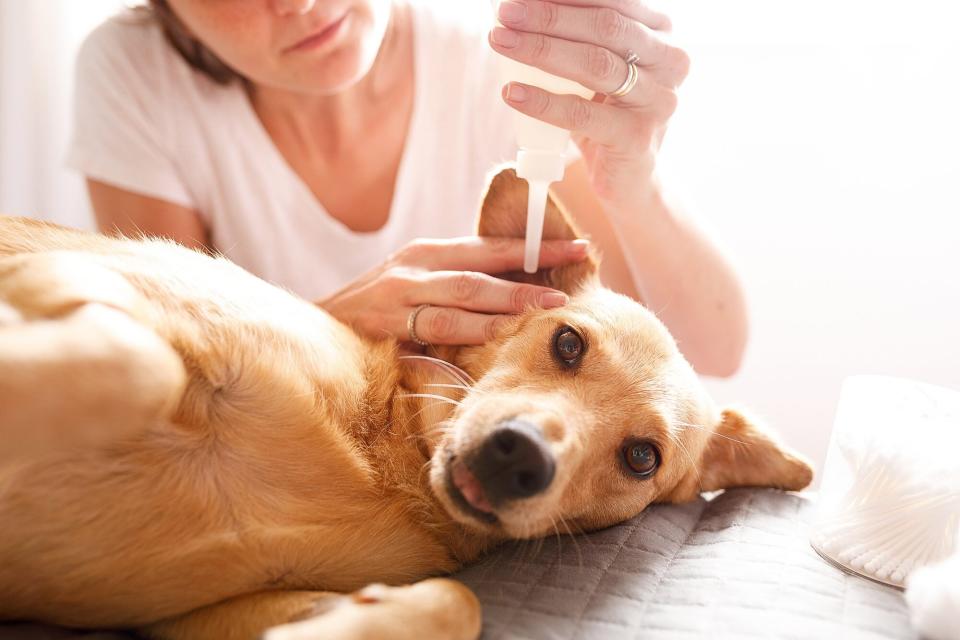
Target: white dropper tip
point(536, 208)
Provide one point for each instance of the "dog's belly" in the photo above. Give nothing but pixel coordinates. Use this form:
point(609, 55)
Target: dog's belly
point(127, 540)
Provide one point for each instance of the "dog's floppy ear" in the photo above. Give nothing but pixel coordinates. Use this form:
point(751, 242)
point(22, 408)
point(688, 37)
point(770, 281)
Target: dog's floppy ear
point(739, 454)
point(504, 215)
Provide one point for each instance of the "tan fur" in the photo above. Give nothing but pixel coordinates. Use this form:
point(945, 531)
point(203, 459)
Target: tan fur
point(200, 454)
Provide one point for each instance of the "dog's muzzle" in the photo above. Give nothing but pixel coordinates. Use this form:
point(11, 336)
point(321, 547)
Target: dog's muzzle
point(513, 462)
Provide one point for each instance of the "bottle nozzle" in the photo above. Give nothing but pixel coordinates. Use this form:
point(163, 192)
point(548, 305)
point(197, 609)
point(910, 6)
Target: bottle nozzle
point(539, 169)
point(536, 208)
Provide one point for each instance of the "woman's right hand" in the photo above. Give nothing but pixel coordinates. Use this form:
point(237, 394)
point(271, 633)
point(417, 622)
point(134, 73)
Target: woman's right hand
point(452, 276)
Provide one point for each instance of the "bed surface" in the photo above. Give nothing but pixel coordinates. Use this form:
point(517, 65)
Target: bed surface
point(737, 566)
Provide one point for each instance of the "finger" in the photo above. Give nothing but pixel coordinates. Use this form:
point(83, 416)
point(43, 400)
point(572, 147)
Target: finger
point(595, 67)
point(474, 291)
point(592, 25)
point(604, 123)
point(490, 255)
point(445, 325)
point(601, 26)
point(635, 9)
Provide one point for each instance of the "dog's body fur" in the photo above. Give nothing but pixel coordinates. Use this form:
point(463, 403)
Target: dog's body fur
point(201, 454)
point(275, 470)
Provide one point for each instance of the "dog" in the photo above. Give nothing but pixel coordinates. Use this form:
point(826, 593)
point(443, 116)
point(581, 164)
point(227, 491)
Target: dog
point(194, 453)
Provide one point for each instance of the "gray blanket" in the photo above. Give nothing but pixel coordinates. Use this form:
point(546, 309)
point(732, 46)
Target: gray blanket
point(737, 566)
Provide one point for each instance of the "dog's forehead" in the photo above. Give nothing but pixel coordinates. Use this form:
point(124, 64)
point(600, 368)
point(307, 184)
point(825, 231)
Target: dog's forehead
point(627, 326)
point(611, 308)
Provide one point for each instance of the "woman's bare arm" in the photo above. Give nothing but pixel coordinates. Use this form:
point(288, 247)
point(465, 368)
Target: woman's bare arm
point(121, 211)
point(659, 256)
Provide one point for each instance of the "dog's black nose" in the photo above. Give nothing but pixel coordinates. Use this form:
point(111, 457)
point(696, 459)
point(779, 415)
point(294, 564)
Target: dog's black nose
point(514, 462)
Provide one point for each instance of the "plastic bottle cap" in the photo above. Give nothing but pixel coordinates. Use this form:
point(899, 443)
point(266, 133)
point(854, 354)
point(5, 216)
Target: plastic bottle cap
point(540, 166)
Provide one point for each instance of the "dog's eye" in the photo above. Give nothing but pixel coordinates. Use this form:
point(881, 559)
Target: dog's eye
point(568, 345)
point(641, 458)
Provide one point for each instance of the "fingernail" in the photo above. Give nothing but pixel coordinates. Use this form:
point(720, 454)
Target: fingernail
point(579, 246)
point(552, 299)
point(512, 11)
point(516, 92)
point(505, 38)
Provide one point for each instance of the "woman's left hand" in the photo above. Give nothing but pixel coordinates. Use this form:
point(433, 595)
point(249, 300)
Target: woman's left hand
point(618, 136)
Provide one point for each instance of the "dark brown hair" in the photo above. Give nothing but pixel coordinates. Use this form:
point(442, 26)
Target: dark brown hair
point(192, 50)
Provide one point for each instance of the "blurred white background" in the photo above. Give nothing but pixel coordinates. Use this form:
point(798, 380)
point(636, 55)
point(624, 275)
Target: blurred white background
point(38, 41)
point(821, 141)
point(818, 140)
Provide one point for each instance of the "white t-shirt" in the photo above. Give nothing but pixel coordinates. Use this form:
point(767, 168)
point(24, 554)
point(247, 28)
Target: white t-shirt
point(145, 121)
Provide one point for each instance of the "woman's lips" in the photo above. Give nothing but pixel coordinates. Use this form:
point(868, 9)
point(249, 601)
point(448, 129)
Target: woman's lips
point(319, 37)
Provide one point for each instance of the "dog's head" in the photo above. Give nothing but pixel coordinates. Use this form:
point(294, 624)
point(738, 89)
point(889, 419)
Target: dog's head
point(582, 416)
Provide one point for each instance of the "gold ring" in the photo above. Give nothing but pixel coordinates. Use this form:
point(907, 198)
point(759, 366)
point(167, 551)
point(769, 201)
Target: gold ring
point(633, 74)
point(411, 326)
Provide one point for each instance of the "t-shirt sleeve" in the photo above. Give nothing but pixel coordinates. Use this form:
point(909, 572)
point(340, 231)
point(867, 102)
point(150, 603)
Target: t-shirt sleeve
point(122, 113)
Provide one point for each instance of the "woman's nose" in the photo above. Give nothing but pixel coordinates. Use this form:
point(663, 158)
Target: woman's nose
point(292, 7)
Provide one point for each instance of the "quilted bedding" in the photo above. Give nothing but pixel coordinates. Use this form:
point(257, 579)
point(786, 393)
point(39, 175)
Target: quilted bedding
point(737, 566)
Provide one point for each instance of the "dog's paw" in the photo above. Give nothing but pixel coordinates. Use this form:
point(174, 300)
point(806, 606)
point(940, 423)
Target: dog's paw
point(435, 608)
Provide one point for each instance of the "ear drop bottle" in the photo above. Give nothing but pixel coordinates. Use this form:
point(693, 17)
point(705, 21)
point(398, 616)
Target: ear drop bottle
point(541, 158)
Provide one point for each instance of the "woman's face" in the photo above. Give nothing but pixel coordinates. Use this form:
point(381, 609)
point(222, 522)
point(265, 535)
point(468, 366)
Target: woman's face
point(310, 46)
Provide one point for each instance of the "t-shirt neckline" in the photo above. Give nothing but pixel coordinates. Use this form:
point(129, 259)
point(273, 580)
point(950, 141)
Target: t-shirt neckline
point(272, 154)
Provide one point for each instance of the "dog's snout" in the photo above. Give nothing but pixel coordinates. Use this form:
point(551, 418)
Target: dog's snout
point(514, 462)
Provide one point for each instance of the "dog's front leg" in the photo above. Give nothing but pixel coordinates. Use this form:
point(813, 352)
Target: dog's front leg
point(242, 618)
point(76, 367)
point(432, 609)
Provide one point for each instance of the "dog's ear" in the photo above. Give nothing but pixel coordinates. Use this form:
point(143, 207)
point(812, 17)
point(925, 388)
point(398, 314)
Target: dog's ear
point(504, 215)
point(740, 454)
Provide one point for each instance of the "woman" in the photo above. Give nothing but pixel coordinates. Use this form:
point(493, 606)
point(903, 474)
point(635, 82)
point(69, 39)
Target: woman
point(317, 143)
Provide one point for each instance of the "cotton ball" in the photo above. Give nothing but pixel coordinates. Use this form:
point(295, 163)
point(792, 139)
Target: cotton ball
point(933, 595)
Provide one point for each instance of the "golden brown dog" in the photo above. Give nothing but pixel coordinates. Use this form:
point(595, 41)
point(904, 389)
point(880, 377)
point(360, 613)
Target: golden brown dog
point(197, 454)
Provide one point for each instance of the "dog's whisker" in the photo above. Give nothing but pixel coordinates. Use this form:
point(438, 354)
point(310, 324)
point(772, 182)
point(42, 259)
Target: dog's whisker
point(417, 413)
point(442, 385)
point(454, 370)
point(537, 547)
point(440, 363)
point(579, 530)
point(428, 436)
point(424, 468)
point(517, 546)
point(527, 549)
point(431, 396)
point(686, 452)
point(573, 538)
point(659, 312)
point(463, 374)
point(439, 427)
point(524, 547)
point(553, 523)
point(711, 431)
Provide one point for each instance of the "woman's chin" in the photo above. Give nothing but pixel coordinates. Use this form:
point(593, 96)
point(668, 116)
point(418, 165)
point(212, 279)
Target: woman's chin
point(334, 67)
point(332, 74)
